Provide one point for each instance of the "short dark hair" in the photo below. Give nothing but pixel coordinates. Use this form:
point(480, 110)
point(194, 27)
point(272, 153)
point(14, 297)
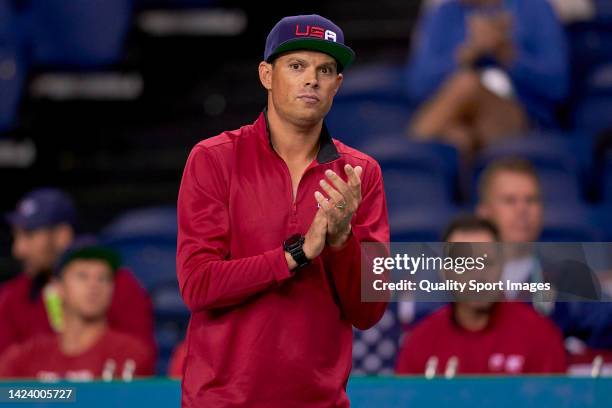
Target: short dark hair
point(469, 222)
point(504, 164)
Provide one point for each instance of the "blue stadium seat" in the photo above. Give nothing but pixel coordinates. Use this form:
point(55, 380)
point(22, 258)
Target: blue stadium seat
point(373, 80)
point(12, 66)
point(569, 224)
point(603, 10)
point(78, 33)
point(414, 189)
point(151, 258)
point(415, 173)
point(146, 240)
point(167, 301)
point(423, 224)
point(594, 114)
point(589, 47)
point(167, 334)
point(356, 119)
point(175, 4)
point(171, 320)
point(554, 158)
point(149, 221)
point(601, 216)
point(607, 178)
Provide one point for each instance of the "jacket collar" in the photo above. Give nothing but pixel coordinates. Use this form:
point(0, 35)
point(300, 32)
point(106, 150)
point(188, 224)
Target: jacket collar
point(327, 148)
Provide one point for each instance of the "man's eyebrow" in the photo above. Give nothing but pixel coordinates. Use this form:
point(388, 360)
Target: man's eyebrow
point(329, 64)
point(293, 60)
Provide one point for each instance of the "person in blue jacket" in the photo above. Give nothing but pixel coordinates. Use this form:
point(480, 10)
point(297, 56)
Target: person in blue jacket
point(485, 69)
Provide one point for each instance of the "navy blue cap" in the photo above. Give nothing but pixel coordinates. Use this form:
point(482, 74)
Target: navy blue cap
point(308, 32)
point(43, 207)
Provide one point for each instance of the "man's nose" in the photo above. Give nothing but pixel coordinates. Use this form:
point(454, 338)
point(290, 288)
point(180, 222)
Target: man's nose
point(312, 79)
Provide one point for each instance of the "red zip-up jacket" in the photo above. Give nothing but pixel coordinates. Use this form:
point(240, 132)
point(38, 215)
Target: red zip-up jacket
point(261, 335)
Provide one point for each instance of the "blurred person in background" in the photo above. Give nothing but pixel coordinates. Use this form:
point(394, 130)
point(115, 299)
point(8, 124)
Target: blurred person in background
point(86, 348)
point(485, 69)
point(481, 333)
point(43, 227)
point(509, 195)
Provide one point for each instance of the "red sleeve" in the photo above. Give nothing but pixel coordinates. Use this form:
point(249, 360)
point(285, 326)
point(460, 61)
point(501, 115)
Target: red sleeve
point(207, 279)
point(131, 310)
point(8, 331)
point(370, 224)
point(177, 361)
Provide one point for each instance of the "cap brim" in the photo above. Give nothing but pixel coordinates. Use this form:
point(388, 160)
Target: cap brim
point(14, 219)
point(343, 54)
point(94, 252)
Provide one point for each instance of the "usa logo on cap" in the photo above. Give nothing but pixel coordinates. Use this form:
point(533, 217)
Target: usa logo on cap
point(308, 32)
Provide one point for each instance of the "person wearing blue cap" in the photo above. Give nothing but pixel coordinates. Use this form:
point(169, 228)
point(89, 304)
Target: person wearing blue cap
point(44, 226)
point(271, 218)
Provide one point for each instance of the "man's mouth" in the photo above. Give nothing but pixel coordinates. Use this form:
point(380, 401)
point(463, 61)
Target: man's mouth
point(311, 98)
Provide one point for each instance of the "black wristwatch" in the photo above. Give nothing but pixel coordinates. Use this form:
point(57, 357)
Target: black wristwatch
point(294, 245)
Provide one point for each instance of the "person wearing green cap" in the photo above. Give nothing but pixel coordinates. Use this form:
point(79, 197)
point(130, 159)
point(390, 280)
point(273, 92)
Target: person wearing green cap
point(85, 348)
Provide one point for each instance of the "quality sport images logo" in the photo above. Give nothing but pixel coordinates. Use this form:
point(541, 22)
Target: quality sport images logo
point(316, 32)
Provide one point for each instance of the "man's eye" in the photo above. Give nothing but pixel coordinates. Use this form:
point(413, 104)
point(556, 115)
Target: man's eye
point(325, 70)
point(295, 66)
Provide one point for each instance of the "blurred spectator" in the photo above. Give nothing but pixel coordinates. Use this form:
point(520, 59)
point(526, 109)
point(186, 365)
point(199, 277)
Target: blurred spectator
point(175, 368)
point(44, 227)
point(484, 69)
point(481, 335)
point(86, 348)
point(510, 197)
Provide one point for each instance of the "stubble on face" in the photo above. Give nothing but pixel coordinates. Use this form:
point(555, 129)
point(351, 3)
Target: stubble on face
point(303, 86)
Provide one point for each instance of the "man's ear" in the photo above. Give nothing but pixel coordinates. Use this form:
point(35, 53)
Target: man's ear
point(265, 74)
point(57, 285)
point(340, 79)
point(63, 236)
point(482, 210)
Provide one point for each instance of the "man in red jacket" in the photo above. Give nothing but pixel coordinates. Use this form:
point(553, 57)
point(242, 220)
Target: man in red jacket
point(86, 348)
point(271, 217)
point(476, 335)
point(43, 228)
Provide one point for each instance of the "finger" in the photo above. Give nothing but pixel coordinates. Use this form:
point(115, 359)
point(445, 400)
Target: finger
point(320, 219)
point(337, 182)
point(353, 174)
point(359, 171)
point(332, 192)
point(323, 203)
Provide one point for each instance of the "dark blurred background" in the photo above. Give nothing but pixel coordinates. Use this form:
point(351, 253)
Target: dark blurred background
point(111, 116)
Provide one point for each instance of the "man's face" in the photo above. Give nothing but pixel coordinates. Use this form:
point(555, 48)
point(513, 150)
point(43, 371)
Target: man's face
point(39, 249)
point(86, 287)
point(513, 202)
point(302, 85)
point(486, 244)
